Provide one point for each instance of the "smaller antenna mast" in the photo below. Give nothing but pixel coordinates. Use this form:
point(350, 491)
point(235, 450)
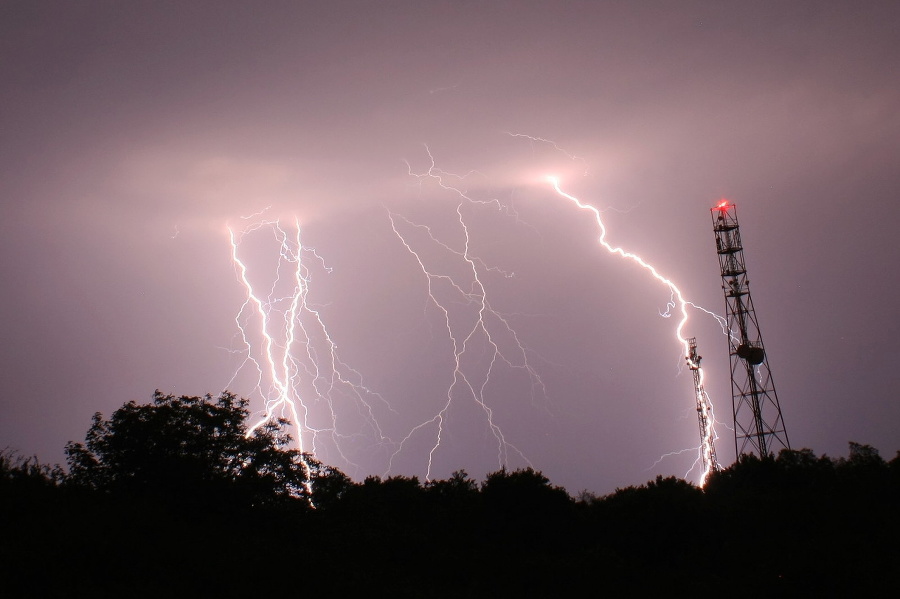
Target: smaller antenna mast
point(704, 413)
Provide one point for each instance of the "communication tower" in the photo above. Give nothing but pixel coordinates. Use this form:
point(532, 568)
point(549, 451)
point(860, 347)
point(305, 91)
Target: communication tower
point(758, 424)
point(704, 412)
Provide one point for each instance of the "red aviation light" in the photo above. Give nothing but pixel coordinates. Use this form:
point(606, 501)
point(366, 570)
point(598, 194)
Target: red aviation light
point(722, 206)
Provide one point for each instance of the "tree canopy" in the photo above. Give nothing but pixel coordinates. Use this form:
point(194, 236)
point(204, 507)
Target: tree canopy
point(172, 494)
point(188, 449)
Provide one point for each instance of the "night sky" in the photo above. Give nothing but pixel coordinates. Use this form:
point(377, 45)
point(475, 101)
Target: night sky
point(133, 135)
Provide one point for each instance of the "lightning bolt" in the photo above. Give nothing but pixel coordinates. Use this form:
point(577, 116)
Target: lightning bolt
point(471, 324)
point(678, 303)
point(707, 455)
point(286, 345)
point(285, 342)
point(555, 146)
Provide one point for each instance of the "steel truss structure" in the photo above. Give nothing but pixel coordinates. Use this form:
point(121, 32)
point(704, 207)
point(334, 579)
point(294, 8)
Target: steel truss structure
point(758, 423)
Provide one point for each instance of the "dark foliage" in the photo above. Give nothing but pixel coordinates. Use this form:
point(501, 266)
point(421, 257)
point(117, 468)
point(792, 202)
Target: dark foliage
point(174, 498)
point(188, 451)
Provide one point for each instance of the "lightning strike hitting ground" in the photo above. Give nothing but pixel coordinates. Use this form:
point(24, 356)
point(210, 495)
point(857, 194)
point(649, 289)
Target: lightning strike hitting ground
point(676, 302)
point(473, 327)
point(286, 344)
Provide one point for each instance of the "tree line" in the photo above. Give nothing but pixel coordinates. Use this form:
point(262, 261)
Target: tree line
point(175, 497)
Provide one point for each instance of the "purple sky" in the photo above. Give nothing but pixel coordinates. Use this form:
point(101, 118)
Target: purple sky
point(134, 133)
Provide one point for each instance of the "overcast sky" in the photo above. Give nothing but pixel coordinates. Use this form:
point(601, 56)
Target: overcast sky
point(133, 135)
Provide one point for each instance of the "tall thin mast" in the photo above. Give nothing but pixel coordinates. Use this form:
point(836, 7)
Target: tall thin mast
point(704, 413)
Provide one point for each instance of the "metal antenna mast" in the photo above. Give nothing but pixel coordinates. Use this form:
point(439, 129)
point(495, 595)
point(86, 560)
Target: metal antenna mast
point(704, 412)
point(758, 424)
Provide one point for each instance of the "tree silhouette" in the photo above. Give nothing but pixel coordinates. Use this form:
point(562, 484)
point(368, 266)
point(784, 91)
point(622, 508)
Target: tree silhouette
point(165, 496)
point(18, 470)
point(188, 449)
point(524, 503)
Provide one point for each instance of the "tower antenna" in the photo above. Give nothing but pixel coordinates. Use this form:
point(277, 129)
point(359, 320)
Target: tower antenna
point(758, 424)
point(704, 413)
